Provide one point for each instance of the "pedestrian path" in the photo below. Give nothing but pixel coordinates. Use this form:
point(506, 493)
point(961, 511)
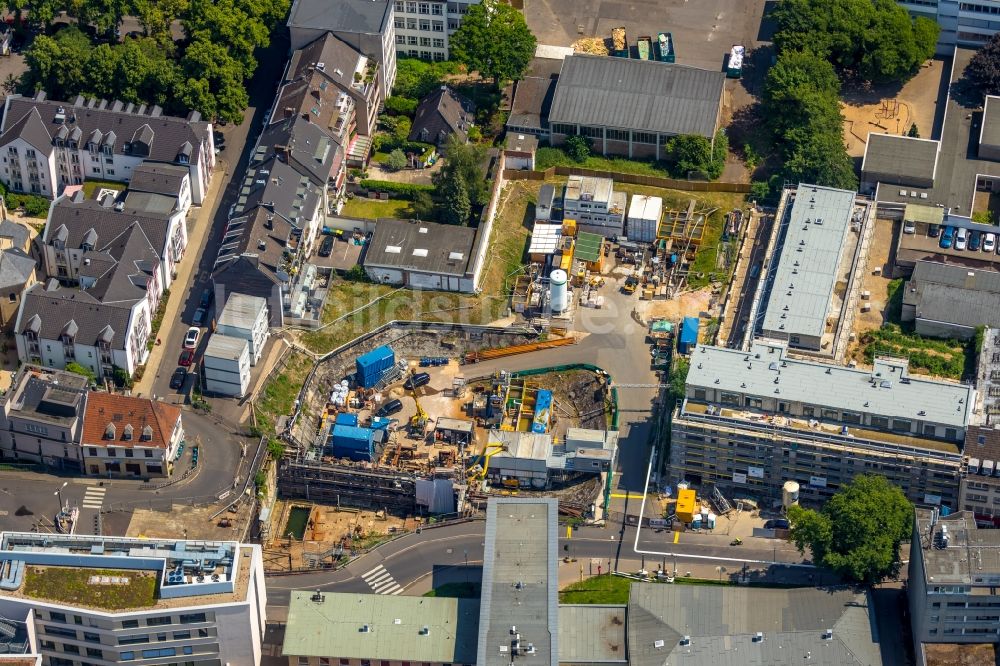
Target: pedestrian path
point(94, 497)
point(381, 581)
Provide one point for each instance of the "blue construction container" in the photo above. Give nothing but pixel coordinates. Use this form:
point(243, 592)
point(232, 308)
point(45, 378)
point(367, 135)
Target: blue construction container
point(352, 442)
point(346, 419)
point(543, 405)
point(380, 422)
point(373, 365)
point(688, 339)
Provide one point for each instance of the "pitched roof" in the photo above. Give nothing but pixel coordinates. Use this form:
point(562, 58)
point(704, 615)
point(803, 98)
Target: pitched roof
point(282, 190)
point(722, 623)
point(30, 127)
point(304, 145)
point(158, 178)
point(439, 114)
point(152, 421)
point(350, 16)
point(78, 216)
point(17, 233)
point(339, 60)
point(640, 95)
point(119, 271)
point(48, 308)
point(954, 294)
point(128, 132)
point(532, 102)
point(15, 268)
point(313, 98)
point(261, 234)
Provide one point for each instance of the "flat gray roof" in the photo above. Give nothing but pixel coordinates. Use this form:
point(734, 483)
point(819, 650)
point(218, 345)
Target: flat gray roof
point(520, 583)
point(954, 294)
point(989, 133)
point(803, 283)
point(885, 390)
point(225, 346)
point(642, 95)
point(592, 634)
point(722, 622)
point(901, 156)
point(420, 246)
point(241, 311)
point(350, 16)
point(971, 553)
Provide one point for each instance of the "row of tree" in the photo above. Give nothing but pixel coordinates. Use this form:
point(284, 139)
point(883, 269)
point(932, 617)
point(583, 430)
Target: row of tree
point(820, 43)
point(205, 71)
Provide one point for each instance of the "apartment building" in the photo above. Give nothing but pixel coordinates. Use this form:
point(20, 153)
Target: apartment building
point(129, 437)
point(423, 27)
point(954, 576)
point(751, 420)
point(17, 273)
point(963, 23)
point(595, 205)
point(41, 418)
point(47, 145)
point(198, 603)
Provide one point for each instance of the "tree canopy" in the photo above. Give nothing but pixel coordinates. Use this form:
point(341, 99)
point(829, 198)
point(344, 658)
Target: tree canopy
point(984, 68)
point(205, 72)
point(494, 40)
point(858, 532)
point(461, 183)
point(874, 40)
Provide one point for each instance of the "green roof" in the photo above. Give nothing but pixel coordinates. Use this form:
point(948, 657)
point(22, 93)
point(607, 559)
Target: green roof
point(921, 213)
point(588, 246)
point(334, 627)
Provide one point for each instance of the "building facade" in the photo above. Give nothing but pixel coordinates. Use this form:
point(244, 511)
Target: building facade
point(752, 420)
point(968, 24)
point(130, 437)
point(595, 205)
point(206, 606)
point(423, 27)
point(225, 366)
point(41, 418)
point(954, 576)
point(245, 317)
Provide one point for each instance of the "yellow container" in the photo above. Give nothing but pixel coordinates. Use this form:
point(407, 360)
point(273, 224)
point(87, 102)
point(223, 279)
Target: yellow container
point(686, 505)
point(569, 228)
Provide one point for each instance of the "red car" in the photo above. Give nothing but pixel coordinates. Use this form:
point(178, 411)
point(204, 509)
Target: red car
point(186, 359)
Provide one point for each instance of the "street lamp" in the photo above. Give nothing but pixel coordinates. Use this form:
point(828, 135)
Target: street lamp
point(58, 493)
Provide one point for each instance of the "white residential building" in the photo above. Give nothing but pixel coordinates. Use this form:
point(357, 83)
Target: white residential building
point(47, 145)
point(423, 27)
point(225, 366)
point(127, 437)
point(245, 317)
point(967, 24)
point(198, 603)
point(41, 418)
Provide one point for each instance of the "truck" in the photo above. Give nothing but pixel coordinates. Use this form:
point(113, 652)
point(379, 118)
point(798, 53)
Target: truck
point(665, 47)
point(619, 42)
point(734, 69)
point(644, 47)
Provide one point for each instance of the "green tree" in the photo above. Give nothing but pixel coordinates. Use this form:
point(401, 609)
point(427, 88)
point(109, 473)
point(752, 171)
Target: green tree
point(578, 148)
point(55, 64)
point(687, 153)
point(214, 84)
point(396, 160)
point(401, 131)
point(157, 16)
point(494, 40)
point(858, 531)
point(103, 15)
point(81, 370)
point(914, 132)
point(465, 162)
point(40, 12)
point(400, 106)
point(10, 83)
point(415, 78)
point(760, 191)
point(984, 68)
point(455, 207)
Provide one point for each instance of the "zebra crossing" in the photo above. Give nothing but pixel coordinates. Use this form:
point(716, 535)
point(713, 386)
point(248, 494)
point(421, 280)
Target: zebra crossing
point(381, 581)
point(93, 498)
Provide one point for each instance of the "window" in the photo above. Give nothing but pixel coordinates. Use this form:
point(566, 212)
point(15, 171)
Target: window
point(12, 298)
point(412, 41)
point(851, 417)
point(91, 637)
point(425, 41)
point(439, 43)
point(699, 394)
point(400, 39)
point(644, 137)
point(880, 422)
point(437, 10)
point(901, 425)
point(130, 624)
point(399, 6)
point(182, 635)
point(426, 55)
point(191, 618)
point(71, 649)
point(126, 656)
point(57, 617)
point(438, 26)
point(411, 24)
point(453, 24)
point(324, 661)
point(425, 25)
point(133, 639)
point(161, 636)
point(158, 621)
point(617, 135)
point(400, 23)
point(425, 8)
point(59, 631)
point(303, 661)
point(159, 652)
point(411, 7)
point(94, 652)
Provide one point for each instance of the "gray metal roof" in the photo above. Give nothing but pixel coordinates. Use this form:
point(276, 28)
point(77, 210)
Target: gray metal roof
point(520, 583)
point(886, 390)
point(803, 283)
point(592, 634)
point(158, 178)
point(954, 294)
point(401, 628)
point(901, 157)
point(989, 133)
point(427, 247)
point(241, 311)
point(351, 16)
point(971, 553)
point(722, 623)
point(640, 95)
point(225, 347)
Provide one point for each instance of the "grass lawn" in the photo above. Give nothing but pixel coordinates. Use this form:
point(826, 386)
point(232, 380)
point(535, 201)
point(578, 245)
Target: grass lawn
point(457, 590)
point(378, 304)
point(373, 208)
point(549, 157)
point(72, 585)
point(604, 589)
point(91, 187)
point(279, 396)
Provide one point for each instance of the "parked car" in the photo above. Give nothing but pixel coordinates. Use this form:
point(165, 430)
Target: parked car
point(199, 317)
point(416, 381)
point(206, 297)
point(962, 239)
point(933, 230)
point(177, 379)
point(326, 247)
point(191, 337)
point(989, 242)
point(389, 408)
point(975, 240)
point(776, 524)
point(909, 227)
point(947, 237)
point(187, 358)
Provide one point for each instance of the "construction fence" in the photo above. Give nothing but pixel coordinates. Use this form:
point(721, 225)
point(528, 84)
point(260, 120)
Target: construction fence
point(630, 178)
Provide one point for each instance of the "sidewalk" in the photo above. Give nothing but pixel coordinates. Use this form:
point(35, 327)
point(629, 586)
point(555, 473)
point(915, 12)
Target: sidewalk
point(197, 234)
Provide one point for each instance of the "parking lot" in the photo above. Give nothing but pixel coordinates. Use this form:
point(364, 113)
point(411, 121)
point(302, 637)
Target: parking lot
point(703, 30)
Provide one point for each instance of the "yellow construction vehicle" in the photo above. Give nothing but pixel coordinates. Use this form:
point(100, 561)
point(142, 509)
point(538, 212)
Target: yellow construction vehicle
point(419, 420)
point(479, 472)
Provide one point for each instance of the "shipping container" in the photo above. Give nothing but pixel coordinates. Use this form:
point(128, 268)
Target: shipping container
point(373, 365)
point(734, 69)
point(644, 47)
point(643, 219)
point(619, 42)
point(688, 339)
point(543, 405)
point(685, 509)
point(352, 442)
point(346, 419)
point(665, 47)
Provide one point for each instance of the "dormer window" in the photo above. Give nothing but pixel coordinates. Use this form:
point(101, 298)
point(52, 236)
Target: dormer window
point(147, 433)
point(109, 432)
point(127, 433)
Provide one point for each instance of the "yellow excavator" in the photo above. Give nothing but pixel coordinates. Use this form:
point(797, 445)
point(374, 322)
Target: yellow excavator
point(419, 420)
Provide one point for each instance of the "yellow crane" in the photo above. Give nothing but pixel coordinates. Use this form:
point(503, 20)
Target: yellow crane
point(419, 420)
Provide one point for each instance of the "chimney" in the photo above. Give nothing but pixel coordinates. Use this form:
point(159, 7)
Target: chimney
point(289, 111)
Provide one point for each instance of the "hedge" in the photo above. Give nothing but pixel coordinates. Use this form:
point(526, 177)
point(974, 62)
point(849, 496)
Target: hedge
point(401, 190)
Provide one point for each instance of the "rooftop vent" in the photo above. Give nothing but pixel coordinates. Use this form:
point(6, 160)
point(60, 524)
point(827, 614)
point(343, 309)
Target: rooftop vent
point(366, 629)
point(317, 597)
point(828, 635)
point(425, 631)
point(685, 640)
point(758, 637)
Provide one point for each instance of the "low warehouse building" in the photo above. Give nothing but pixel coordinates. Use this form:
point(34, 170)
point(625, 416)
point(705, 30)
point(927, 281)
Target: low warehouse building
point(225, 367)
point(424, 255)
point(948, 301)
point(531, 459)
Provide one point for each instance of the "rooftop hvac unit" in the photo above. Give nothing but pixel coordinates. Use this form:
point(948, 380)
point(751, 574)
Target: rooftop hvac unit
point(685, 640)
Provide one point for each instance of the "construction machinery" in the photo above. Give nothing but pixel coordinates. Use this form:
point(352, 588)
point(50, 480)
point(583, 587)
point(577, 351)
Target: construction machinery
point(631, 282)
point(478, 472)
point(418, 422)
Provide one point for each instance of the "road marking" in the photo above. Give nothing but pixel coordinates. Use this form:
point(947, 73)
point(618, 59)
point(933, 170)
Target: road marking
point(677, 537)
point(569, 531)
point(93, 498)
point(397, 592)
point(378, 568)
point(381, 581)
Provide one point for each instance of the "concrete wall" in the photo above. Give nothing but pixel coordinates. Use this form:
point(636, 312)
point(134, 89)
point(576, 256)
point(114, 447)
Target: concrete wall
point(943, 329)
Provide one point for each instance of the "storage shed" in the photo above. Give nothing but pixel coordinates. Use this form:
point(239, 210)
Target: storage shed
point(373, 365)
point(688, 339)
point(643, 220)
point(352, 442)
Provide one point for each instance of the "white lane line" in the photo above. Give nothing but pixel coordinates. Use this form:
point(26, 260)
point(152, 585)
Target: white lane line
point(368, 573)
